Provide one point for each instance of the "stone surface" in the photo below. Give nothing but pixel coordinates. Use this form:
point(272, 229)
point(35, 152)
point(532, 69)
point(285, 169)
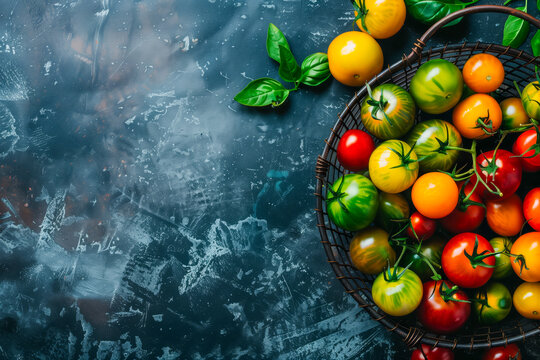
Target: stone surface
point(144, 213)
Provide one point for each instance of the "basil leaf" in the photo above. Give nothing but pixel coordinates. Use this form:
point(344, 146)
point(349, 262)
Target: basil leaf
point(516, 30)
point(431, 11)
point(535, 43)
point(315, 69)
point(274, 39)
point(262, 92)
point(288, 68)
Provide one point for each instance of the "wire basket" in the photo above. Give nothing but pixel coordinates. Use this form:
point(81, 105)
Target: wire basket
point(519, 67)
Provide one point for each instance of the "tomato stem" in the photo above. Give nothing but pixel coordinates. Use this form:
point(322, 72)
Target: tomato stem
point(477, 259)
point(448, 293)
point(478, 177)
point(378, 105)
point(337, 195)
point(361, 12)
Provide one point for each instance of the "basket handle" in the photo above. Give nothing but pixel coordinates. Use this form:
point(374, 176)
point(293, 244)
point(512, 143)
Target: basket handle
point(421, 43)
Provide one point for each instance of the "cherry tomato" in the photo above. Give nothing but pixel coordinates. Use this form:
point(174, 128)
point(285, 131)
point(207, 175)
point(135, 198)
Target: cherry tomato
point(435, 195)
point(430, 251)
point(354, 149)
point(531, 208)
point(530, 96)
point(477, 117)
point(508, 352)
point(462, 261)
point(467, 216)
point(438, 310)
point(527, 245)
point(381, 19)
point(527, 300)
point(499, 170)
point(392, 212)
point(483, 73)
point(503, 266)
point(354, 57)
point(432, 353)
point(423, 227)
point(522, 145)
point(397, 291)
point(514, 114)
point(505, 217)
point(493, 304)
point(370, 251)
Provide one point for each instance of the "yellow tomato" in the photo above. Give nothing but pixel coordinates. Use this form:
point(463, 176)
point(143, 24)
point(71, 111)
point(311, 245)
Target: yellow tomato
point(527, 300)
point(354, 57)
point(383, 18)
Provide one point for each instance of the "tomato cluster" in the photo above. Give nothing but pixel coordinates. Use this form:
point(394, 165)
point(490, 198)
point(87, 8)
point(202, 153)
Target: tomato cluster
point(430, 199)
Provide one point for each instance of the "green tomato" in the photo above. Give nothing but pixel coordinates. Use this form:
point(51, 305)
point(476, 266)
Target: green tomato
point(393, 166)
point(352, 202)
point(430, 139)
point(388, 112)
point(392, 207)
point(531, 100)
point(503, 263)
point(499, 303)
point(397, 297)
point(437, 86)
point(431, 251)
point(370, 251)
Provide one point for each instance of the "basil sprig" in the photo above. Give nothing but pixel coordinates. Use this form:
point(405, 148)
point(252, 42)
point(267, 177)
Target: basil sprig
point(516, 30)
point(266, 91)
point(431, 11)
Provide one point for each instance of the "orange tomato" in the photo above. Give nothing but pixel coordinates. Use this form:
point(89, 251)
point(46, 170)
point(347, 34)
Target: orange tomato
point(527, 245)
point(483, 73)
point(435, 195)
point(477, 117)
point(354, 57)
point(505, 217)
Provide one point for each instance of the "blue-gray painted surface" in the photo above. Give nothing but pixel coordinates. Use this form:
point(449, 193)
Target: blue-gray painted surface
point(144, 213)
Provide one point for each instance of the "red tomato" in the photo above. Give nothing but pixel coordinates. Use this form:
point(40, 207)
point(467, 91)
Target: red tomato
point(464, 271)
point(423, 227)
point(354, 149)
point(502, 171)
point(531, 208)
point(432, 353)
point(523, 143)
point(438, 312)
point(507, 352)
point(505, 217)
point(466, 216)
point(525, 166)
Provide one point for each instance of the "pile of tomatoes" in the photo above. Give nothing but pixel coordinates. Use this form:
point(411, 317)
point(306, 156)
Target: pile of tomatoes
point(445, 214)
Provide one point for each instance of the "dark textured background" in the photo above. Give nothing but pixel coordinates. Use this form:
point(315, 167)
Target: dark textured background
point(144, 213)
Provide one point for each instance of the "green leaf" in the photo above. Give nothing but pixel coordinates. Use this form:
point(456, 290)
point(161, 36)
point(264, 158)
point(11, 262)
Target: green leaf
point(516, 30)
point(315, 69)
point(431, 11)
point(535, 43)
point(538, 4)
point(262, 92)
point(274, 39)
point(288, 68)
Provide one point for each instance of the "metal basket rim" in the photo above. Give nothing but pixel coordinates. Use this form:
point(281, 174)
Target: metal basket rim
point(411, 335)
